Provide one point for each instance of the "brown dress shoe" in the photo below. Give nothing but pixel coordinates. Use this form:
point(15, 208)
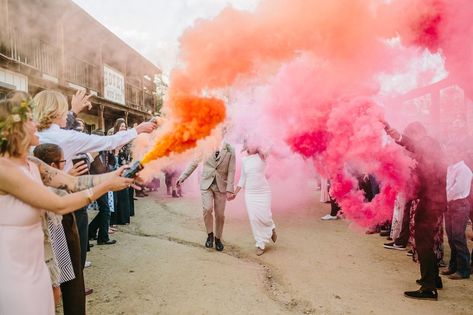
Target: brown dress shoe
point(457, 276)
point(447, 272)
point(89, 291)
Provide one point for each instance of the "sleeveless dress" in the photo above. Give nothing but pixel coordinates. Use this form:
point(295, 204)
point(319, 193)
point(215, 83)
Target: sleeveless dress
point(25, 284)
point(257, 198)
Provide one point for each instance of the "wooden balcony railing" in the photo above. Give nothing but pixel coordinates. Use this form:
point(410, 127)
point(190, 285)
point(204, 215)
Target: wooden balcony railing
point(33, 52)
point(134, 97)
point(82, 73)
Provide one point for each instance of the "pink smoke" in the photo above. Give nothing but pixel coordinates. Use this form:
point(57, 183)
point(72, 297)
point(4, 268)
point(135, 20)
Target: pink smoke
point(304, 75)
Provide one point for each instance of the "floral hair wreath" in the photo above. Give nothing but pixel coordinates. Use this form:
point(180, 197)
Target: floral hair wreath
point(19, 114)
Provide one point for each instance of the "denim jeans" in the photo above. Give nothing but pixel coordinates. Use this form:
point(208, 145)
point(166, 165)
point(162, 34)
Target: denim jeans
point(101, 221)
point(456, 220)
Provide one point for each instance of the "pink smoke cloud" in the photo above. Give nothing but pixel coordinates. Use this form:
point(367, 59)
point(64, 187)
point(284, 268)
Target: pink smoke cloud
point(303, 75)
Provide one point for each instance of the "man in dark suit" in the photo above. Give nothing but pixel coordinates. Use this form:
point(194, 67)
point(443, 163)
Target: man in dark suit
point(431, 192)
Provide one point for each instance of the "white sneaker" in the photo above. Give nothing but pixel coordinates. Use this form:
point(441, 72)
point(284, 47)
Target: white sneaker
point(329, 217)
point(87, 264)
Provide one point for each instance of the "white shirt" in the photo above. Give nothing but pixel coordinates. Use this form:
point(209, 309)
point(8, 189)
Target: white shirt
point(459, 178)
point(74, 142)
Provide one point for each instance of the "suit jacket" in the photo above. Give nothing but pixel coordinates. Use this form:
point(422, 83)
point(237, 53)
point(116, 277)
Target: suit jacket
point(221, 169)
point(102, 163)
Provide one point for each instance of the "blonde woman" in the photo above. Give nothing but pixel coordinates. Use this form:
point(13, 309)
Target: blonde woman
point(50, 113)
point(25, 286)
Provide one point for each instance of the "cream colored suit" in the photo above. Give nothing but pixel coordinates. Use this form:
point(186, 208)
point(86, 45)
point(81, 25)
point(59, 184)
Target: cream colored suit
point(218, 177)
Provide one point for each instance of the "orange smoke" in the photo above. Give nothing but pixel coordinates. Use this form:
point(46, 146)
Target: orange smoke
point(193, 119)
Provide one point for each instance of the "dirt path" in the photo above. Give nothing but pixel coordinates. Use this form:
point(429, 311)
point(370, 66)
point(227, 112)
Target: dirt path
point(159, 266)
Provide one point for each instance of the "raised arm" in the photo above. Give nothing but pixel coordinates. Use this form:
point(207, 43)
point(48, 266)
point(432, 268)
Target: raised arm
point(55, 178)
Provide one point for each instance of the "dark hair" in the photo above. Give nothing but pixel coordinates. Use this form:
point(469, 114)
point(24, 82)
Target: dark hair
point(79, 122)
point(48, 152)
point(118, 122)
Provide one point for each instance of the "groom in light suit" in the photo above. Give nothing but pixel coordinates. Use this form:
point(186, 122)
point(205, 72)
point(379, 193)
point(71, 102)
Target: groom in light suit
point(216, 188)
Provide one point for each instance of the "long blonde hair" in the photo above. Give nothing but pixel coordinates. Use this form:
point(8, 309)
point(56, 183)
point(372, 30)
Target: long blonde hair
point(14, 138)
point(49, 105)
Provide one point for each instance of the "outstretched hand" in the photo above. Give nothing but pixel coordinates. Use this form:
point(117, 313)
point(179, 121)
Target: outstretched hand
point(80, 101)
point(146, 127)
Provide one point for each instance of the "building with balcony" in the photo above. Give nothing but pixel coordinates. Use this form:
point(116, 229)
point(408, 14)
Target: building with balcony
point(54, 44)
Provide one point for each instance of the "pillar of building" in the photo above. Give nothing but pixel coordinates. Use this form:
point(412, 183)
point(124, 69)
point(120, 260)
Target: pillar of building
point(101, 119)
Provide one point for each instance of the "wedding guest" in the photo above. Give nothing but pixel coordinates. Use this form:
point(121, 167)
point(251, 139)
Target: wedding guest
point(170, 179)
point(324, 187)
point(459, 178)
point(50, 114)
point(124, 203)
point(99, 226)
point(72, 288)
point(25, 286)
point(431, 179)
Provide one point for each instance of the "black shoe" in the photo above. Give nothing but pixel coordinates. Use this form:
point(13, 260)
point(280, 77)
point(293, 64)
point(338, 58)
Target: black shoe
point(393, 245)
point(422, 295)
point(92, 238)
point(218, 245)
point(109, 242)
point(447, 272)
point(210, 240)
point(384, 233)
point(438, 283)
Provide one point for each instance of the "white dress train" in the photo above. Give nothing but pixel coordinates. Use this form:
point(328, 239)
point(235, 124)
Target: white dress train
point(257, 198)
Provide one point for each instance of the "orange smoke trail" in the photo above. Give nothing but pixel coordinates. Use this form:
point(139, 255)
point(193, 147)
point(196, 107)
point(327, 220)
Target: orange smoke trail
point(194, 119)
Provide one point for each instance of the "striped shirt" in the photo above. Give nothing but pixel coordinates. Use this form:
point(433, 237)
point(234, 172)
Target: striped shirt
point(60, 249)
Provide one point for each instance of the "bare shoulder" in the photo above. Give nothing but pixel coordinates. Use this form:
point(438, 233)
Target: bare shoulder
point(6, 167)
point(9, 173)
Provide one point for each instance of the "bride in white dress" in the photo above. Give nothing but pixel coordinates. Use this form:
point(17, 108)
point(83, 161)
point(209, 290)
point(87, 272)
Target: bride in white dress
point(257, 197)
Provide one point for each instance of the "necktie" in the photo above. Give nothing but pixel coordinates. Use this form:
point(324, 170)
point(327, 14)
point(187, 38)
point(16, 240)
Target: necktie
point(217, 153)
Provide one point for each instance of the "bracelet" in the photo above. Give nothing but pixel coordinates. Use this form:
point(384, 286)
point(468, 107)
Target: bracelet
point(89, 194)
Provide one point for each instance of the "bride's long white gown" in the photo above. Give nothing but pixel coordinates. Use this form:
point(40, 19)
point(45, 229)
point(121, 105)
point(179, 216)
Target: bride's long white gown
point(257, 198)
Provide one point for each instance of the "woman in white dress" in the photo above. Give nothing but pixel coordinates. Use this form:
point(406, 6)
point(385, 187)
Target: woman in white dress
point(257, 197)
point(25, 285)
